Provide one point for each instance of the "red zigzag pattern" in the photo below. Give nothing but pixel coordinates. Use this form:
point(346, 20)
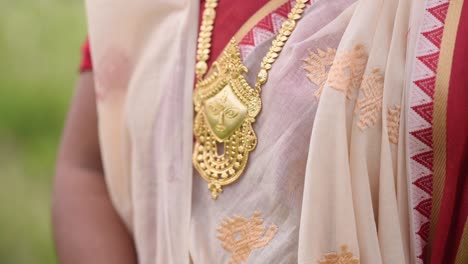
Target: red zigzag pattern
point(265, 29)
point(421, 114)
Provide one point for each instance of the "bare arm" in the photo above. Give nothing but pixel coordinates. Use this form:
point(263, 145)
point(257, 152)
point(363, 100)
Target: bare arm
point(87, 229)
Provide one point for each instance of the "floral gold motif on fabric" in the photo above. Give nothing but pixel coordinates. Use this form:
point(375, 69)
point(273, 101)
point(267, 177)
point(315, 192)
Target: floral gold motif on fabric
point(226, 107)
point(347, 70)
point(317, 65)
point(393, 123)
point(240, 236)
point(342, 257)
point(369, 104)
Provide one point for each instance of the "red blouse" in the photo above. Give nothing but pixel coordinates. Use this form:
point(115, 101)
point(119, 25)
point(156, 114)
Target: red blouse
point(86, 62)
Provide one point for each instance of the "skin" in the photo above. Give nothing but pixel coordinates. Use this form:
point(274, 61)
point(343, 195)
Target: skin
point(86, 226)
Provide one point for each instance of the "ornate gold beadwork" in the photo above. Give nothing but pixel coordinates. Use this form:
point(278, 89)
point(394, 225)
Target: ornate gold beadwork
point(278, 43)
point(343, 257)
point(393, 123)
point(240, 236)
point(347, 70)
point(318, 65)
point(226, 106)
point(204, 37)
point(369, 105)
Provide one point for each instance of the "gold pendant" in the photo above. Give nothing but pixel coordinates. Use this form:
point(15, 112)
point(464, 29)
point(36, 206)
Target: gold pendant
point(225, 108)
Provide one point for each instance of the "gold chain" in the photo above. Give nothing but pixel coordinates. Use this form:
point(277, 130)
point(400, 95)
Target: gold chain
point(206, 30)
point(204, 38)
point(226, 106)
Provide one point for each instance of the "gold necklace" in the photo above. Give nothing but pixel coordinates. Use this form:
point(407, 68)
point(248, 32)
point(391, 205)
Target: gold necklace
point(226, 105)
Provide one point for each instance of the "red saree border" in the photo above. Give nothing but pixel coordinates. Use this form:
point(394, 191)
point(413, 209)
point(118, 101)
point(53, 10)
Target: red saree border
point(440, 111)
point(420, 127)
point(273, 6)
point(451, 226)
point(462, 254)
point(457, 143)
point(253, 21)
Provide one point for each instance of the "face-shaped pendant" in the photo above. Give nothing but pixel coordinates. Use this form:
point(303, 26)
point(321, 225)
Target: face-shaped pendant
point(225, 113)
point(225, 106)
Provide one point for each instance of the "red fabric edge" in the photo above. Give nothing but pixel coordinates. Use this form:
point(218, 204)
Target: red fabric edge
point(86, 61)
point(454, 204)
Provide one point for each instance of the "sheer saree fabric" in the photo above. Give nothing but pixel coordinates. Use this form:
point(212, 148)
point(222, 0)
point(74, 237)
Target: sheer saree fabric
point(273, 181)
point(328, 176)
point(140, 52)
point(355, 193)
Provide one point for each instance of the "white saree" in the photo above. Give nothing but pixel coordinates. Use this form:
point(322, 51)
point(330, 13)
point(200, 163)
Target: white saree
point(357, 186)
point(327, 180)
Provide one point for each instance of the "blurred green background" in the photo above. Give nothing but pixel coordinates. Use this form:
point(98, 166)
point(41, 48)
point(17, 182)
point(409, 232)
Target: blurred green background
point(39, 54)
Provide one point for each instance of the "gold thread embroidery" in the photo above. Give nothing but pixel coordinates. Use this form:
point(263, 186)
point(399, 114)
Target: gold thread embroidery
point(318, 65)
point(240, 236)
point(393, 123)
point(344, 257)
point(347, 70)
point(370, 103)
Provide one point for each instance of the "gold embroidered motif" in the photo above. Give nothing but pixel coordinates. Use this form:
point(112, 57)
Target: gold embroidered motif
point(344, 257)
point(393, 123)
point(369, 105)
point(318, 65)
point(240, 236)
point(347, 70)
